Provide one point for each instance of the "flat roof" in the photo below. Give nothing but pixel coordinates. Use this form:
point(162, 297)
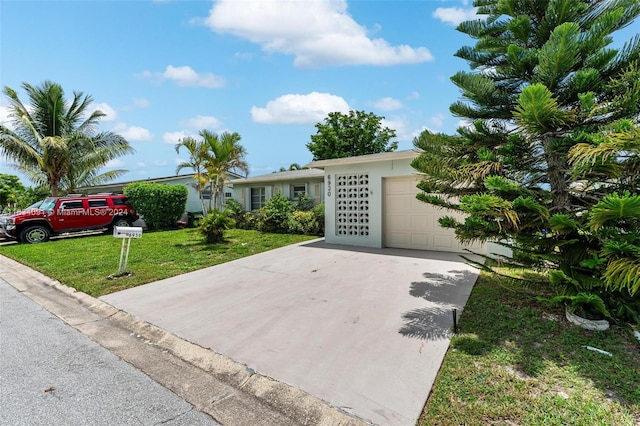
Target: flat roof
point(369, 158)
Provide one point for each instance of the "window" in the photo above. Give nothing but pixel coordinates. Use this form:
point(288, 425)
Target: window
point(257, 198)
point(119, 201)
point(297, 189)
point(227, 195)
point(98, 203)
point(68, 205)
point(206, 194)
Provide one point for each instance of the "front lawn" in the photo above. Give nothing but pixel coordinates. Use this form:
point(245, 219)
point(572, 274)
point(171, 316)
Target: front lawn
point(516, 361)
point(85, 263)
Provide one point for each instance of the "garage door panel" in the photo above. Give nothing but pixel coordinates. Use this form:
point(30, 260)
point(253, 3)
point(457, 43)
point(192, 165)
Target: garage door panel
point(399, 202)
point(398, 239)
point(410, 223)
point(419, 224)
point(399, 223)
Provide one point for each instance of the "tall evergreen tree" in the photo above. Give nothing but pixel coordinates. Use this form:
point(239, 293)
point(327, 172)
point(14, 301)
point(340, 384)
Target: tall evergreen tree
point(544, 81)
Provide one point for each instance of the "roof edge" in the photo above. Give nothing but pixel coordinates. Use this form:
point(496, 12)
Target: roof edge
point(368, 158)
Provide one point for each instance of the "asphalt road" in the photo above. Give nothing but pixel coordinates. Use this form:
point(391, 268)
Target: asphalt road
point(51, 374)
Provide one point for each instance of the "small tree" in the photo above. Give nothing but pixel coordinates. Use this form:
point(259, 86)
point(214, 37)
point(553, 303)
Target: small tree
point(213, 225)
point(161, 206)
point(197, 162)
point(347, 135)
point(11, 190)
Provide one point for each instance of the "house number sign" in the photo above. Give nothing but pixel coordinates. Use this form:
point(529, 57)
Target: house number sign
point(328, 185)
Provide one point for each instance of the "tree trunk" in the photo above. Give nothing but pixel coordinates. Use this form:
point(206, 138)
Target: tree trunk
point(204, 207)
point(556, 170)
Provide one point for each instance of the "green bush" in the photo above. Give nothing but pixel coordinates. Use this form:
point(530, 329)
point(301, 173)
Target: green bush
point(304, 202)
point(275, 215)
point(318, 213)
point(161, 206)
point(213, 225)
point(303, 222)
point(250, 220)
point(236, 212)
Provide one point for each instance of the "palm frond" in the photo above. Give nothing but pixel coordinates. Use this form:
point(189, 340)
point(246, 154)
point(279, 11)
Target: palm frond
point(623, 274)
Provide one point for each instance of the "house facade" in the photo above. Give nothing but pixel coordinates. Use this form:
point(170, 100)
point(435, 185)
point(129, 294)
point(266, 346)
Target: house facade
point(370, 201)
point(253, 192)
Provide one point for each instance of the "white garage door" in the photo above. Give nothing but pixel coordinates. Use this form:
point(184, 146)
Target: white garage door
point(410, 223)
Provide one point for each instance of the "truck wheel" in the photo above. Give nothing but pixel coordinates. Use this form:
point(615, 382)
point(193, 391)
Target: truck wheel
point(35, 234)
point(118, 221)
point(122, 221)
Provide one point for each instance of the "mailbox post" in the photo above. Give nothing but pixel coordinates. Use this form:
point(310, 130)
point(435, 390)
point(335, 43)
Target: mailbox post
point(126, 233)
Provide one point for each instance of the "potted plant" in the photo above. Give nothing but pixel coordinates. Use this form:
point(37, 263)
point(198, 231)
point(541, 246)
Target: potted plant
point(586, 310)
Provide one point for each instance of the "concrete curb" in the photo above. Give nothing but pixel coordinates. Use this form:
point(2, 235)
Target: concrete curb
point(230, 392)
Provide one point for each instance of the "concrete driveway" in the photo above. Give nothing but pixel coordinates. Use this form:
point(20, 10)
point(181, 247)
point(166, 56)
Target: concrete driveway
point(363, 329)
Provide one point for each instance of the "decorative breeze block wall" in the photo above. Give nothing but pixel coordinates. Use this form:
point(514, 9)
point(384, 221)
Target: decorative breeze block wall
point(352, 204)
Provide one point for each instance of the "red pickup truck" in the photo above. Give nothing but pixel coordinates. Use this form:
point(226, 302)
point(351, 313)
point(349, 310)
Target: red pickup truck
point(60, 215)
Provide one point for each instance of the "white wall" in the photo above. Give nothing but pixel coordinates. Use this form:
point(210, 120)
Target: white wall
point(376, 171)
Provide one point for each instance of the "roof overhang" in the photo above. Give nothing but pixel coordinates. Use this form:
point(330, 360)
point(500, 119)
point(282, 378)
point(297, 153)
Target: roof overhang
point(408, 154)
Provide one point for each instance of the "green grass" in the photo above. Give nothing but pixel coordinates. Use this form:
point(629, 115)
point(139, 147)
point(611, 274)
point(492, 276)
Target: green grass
point(85, 263)
point(516, 361)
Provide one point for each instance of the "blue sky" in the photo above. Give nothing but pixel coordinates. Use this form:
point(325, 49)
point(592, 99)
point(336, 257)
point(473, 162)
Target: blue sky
point(269, 70)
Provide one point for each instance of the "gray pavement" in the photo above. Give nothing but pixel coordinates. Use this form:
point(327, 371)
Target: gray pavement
point(51, 374)
point(364, 329)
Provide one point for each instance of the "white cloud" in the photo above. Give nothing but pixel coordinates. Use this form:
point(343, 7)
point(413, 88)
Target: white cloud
point(110, 113)
point(404, 132)
point(200, 122)
point(437, 120)
point(141, 164)
point(180, 161)
point(413, 96)
point(455, 15)
point(175, 137)
point(160, 163)
point(299, 109)
point(133, 133)
point(114, 163)
point(388, 104)
point(317, 32)
point(185, 76)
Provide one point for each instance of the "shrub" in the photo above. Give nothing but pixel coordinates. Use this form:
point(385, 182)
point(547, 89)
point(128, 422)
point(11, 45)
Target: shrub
point(236, 212)
point(213, 225)
point(303, 222)
point(274, 216)
point(160, 205)
point(250, 220)
point(304, 202)
point(318, 213)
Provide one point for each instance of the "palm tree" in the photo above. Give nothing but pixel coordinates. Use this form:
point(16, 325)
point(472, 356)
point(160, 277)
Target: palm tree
point(197, 162)
point(225, 154)
point(53, 139)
